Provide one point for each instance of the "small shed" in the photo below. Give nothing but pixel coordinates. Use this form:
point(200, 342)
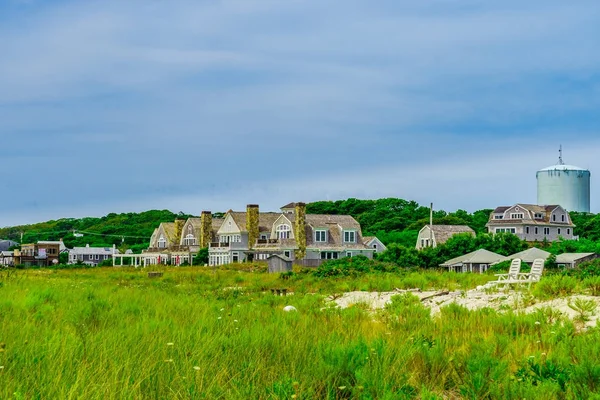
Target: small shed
point(572, 260)
point(278, 263)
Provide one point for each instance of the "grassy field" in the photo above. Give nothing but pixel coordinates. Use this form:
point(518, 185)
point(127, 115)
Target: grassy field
point(211, 334)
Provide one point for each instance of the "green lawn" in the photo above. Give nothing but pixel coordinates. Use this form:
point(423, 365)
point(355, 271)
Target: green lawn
point(197, 333)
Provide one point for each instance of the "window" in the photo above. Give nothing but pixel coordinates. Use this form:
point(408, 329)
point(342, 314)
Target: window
point(546, 231)
point(553, 217)
point(320, 236)
point(348, 254)
point(162, 243)
point(189, 240)
point(288, 254)
point(236, 257)
point(516, 216)
point(283, 231)
point(506, 230)
point(375, 246)
point(538, 216)
point(498, 216)
point(329, 255)
point(97, 257)
point(263, 237)
point(350, 236)
point(559, 231)
point(568, 231)
point(527, 230)
point(562, 217)
point(536, 230)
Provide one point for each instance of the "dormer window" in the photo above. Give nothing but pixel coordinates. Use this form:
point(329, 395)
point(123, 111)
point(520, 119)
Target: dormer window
point(516, 216)
point(189, 240)
point(321, 235)
point(538, 216)
point(350, 236)
point(162, 242)
point(283, 231)
point(498, 216)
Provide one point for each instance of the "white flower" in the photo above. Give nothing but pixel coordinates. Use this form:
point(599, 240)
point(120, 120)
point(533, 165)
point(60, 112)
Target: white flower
point(170, 344)
point(235, 320)
point(169, 361)
point(222, 309)
point(220, 318)
point(1, 366)
point(197, 368)
point(537, 322)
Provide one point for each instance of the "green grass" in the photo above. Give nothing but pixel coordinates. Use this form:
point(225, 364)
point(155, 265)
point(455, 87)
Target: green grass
point(210, 334)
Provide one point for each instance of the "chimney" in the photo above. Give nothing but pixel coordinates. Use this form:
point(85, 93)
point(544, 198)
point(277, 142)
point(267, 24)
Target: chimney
point(300, 230)
point(178, 230)
point(205, 229)
point(252, 217)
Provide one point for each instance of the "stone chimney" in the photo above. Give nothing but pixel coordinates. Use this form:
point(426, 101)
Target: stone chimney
point(205, 229)
point(179, 223)
point(300, 230)
point(252, 218)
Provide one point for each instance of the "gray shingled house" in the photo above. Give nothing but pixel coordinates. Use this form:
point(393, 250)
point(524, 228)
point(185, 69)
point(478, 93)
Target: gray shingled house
point(434, 235)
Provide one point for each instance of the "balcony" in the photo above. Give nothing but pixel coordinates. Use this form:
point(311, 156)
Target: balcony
point(267, 241)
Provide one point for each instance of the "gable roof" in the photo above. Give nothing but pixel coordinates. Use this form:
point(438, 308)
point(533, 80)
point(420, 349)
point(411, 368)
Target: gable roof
point(481, 256)
point(444, 232)
point(265, 220)
point(568, 258)
point(284, 258)
point(530, 255)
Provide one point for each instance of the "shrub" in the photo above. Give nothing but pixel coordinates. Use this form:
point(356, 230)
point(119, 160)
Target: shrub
point(555, 286)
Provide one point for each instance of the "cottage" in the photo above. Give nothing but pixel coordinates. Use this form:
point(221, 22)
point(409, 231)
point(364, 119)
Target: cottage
point(478, 261)
point(7, 258)
point(91, 255)
point(532, 222)
point(530, 255)
point(374, 243)
point(573, 260)
point(7, 244)
point(434, 235)
point(40, 254)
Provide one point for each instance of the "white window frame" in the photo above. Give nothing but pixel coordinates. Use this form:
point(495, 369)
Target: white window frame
point(189, 240)
point(546, 231)
point(162, 242)
point(320, 236)
point(516, 216)
point(347, 235)
point(283, 231)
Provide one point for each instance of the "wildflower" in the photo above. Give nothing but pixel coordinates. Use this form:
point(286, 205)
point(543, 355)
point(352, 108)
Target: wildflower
point(197, 368)
point(1, 367)
point(537, 322)
point(235, 320)
point(531, 356)
point(220, 318)
point(554, 333)
point(222, 309)
point(342, 387)
point(294, 396)
point(169, 360)
point(170, 344)
point(538, 341)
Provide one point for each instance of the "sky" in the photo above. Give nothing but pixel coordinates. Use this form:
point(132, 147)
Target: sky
point(119, 106)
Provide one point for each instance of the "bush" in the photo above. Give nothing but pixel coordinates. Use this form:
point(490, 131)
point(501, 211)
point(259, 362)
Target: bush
point(555, 286)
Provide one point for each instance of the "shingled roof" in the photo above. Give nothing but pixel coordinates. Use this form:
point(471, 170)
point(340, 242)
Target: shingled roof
point(444, 232)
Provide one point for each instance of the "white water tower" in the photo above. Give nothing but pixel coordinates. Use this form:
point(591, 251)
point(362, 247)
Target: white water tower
point(565, 185)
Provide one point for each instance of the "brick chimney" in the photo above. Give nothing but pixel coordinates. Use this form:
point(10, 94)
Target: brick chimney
point(300, 230)
point(252, 217)
point(205, 228)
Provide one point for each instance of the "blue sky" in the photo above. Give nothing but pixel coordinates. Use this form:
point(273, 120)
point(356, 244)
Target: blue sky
point(111, 106)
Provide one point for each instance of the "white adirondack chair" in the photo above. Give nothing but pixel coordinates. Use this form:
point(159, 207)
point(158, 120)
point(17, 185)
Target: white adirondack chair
point(534, 275)
point(513, 271)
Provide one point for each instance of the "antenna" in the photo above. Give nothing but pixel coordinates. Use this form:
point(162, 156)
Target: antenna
point(560, 159)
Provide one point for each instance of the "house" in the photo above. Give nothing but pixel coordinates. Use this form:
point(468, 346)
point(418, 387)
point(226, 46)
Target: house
point(7, 244)
point(198, 233)
point(532, 222)
point(530, 255)
point(40, 254)
point(374, 243)
point(7, 258)
point(572, 260)
point(91, 255)
point(306, 239)
point(434, 235)
point(478, 261)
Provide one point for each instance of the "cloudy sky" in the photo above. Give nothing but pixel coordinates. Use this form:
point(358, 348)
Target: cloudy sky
point(111, 106)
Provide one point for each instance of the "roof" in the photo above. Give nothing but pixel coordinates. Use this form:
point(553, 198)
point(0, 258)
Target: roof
point(563, 167)
point(501, 209)
point(568, 258)
point(530, 255)
point(94, 250)
point(265, 220)
point(481, 256)
point(6, 244)
point(284, 258)
point(444, 232)
point(288, 206)
point(545, 210)
point(324, 220)
point(60, 243)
